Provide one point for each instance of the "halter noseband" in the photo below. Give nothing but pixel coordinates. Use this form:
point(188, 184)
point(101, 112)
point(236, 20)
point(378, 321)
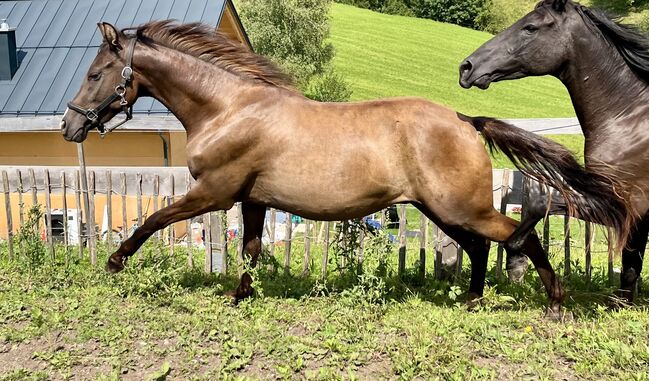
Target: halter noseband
point(94, 114)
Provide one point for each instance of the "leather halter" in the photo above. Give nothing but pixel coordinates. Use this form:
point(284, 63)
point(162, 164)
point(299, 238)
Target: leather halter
point(94, 114)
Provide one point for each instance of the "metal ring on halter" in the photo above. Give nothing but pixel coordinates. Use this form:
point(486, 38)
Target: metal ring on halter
point(92, 115)
point(120, 90)
point(127, 72)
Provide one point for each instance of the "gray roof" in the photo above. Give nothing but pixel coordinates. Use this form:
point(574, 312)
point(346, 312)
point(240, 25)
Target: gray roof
point(58, 39)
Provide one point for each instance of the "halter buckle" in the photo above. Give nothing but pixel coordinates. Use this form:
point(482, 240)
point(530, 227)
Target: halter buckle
point(92, 115)
point(127, 72)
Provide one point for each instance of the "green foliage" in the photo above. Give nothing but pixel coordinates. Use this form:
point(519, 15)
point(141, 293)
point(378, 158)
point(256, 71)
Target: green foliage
point(498, 15)
point(294, 33)
point(29, 241)
point(329, 87)
point(459, 12)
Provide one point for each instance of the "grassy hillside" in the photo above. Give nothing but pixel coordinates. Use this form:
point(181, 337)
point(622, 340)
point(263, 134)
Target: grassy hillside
point(383, 56)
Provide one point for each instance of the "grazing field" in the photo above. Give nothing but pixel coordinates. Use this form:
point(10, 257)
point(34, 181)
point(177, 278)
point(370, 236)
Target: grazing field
point(384, 56)
point(161, 320)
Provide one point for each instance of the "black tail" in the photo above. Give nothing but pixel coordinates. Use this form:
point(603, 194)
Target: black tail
point(593, 194)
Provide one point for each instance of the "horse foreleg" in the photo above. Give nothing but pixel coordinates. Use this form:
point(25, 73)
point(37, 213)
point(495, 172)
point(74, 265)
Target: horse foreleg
point(253, 225)
point(197, 201)
point(632, 256)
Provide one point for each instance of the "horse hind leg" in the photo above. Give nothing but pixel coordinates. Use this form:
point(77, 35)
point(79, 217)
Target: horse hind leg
point(632, 256)
point(253, 226)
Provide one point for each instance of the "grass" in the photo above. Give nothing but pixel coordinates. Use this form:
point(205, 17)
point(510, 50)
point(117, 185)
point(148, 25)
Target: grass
point(162, 320)
point(384, 56)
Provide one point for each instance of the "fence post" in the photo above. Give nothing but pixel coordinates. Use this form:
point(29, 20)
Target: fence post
point(122, 179)
point(439, 236)
point(138, 197)
point(156, 199)
point(402, 240)
point(109, 210)
point(77, 198)
point(287, 243)
point(91, 219)
point(587, 249)
point(48, 214)
point(32, 180)
point(21, 204)
point(504, 200)
point(10, 234)
point(422, 246)
point(220, 231)
point(207, 242)
point(566, 244)
point(66, 233)
point(307, 248)
point(325, 252)
point(271, 238)
point(170, 200)
point(188, 228)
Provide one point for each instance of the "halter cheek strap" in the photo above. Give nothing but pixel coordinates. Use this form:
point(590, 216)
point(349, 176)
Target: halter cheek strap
point(94, 114)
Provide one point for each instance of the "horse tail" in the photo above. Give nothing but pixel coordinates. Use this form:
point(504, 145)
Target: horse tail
point(594, 194)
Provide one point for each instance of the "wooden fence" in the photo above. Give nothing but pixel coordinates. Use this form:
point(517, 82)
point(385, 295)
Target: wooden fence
point(124, 197)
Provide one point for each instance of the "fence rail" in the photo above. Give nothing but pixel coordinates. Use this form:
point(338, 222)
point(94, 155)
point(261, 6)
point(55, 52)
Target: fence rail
point(122, 198)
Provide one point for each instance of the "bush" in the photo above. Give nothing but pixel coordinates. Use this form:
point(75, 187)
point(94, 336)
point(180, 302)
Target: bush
point(329, 87)
point(293, 33)
point(498, 15)
point(460, 12)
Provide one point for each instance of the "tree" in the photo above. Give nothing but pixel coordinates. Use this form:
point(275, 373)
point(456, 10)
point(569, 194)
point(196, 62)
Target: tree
point(293, 33)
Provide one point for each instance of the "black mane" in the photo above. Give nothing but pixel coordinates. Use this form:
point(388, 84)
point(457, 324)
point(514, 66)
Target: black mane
point(632, 44)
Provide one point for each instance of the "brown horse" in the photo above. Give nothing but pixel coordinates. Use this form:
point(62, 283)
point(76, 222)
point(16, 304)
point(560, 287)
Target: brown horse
point(252, 138)
point(605, 67)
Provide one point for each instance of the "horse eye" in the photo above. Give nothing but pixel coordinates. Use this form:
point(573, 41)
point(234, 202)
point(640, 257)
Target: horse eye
point(94, 76)
point(531, 28)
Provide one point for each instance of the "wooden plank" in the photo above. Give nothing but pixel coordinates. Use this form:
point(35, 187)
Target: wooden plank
point(588, 241)
point(566, 244)
point(188, 229)
point(32, 181)
point(460, 260)
point(361, 249)
point(90, 227)
point(21, 203)
point(288, 239)
point(307, 248)
point(138, 198)
point(402, 240)
point(504, 200)
point(122, 179)
point(10, 227)
point(325, 251)
point(220, 232)
point(77, 198)
point(109, 209)
point(92, 231)
point(207, 242)
point(611, 255)
point(240, 261)
point(170, 200)
point(423, 228)
point(66, 230)
point(271, 238)
point(439, 236)
point(48, 214)
point(156, 193)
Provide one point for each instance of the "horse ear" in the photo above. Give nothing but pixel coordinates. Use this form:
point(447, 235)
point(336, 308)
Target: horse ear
point(559, 5)
point(111, 36)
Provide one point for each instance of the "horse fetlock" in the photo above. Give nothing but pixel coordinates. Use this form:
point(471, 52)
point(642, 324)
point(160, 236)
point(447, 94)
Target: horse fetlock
point(115, 263)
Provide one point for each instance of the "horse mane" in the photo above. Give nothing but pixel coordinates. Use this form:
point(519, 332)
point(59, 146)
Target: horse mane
point(206, 43)
point(632, 44)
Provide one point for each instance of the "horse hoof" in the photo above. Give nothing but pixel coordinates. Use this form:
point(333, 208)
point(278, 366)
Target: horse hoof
point(114, 265)
point(236, 296)
point(558, 315)
point(473, 300)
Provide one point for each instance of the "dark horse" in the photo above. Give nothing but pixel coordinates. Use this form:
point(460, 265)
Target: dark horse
point(252, 138)
point(605, 66)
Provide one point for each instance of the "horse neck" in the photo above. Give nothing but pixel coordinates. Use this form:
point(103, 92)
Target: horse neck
point(603, 88)
point(193, 90)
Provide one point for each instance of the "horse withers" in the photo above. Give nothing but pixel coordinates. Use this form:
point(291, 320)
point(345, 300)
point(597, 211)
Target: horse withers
point(252, 138)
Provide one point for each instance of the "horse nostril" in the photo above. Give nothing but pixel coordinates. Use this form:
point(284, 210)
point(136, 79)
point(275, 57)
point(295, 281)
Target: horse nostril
point(466, 67)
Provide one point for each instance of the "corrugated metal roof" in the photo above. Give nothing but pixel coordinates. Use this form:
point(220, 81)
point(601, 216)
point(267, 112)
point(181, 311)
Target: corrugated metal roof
point(58, 39)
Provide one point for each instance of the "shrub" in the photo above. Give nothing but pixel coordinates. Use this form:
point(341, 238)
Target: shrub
point(460, 12)
point(329, 87)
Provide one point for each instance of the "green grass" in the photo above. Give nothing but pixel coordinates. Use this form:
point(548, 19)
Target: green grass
point(161, 320)
point(384, 56)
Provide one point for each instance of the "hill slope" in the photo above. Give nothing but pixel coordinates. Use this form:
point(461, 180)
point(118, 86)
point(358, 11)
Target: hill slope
point(383, 56)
